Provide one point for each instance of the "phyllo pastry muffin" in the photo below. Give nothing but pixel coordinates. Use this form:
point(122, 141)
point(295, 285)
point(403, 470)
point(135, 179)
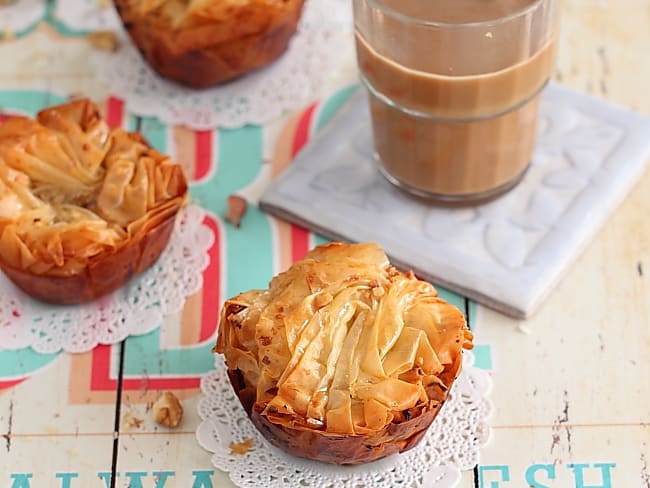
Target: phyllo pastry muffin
point(344, 359)
point(200, 43)
point(83, 208)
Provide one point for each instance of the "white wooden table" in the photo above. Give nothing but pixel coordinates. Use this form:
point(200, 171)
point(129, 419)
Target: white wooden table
point(571, 385)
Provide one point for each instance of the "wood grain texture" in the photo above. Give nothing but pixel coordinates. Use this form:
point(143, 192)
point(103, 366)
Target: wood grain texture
point(570, 384)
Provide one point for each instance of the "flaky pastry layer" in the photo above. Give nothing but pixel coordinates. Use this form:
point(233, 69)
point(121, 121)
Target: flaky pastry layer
point(342, 343)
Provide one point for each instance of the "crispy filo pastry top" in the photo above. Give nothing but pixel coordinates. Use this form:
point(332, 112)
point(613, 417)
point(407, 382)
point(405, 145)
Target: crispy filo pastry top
point(74, 192)
point(342, 344)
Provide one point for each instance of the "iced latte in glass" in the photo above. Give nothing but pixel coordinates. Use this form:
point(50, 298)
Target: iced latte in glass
point(454, 88)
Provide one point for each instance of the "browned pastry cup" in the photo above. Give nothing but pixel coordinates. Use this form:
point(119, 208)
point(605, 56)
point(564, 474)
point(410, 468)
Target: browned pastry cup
point(201, 43)
point(343, 359)
point(83, 208)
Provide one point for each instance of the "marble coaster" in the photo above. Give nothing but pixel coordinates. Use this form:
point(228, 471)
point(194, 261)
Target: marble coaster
point(506, 254)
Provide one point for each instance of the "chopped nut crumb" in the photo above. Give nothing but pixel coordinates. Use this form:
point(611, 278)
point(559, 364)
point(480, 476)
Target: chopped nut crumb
point(236, 209)
point(130, 421)
point(167, 410)
point(241, 448)
point(524, 330)
point(378, 291)
point(7, 34)
point(104, 40)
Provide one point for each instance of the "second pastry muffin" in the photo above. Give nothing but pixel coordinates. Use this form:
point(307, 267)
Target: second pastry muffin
point(201, 43)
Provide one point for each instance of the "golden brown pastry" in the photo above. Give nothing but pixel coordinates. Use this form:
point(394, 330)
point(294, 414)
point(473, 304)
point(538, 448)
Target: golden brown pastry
point(83, 208)
point(201, 43)
point(343, 359)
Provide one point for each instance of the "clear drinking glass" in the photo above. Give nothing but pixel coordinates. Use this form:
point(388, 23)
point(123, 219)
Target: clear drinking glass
point(454, 88)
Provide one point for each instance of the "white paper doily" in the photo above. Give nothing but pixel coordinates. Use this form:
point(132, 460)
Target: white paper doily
point(87, 15)
point(20, 15)
point(135, 309)
point(450, 446)
point(289, 83)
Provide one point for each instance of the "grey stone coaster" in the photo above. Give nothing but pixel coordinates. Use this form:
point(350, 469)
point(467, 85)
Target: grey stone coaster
point(506, 254)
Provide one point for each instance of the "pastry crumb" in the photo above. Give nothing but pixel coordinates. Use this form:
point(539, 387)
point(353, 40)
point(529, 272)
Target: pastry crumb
point(103, 4)
point(237, 207)
point(104, 40)
point(241, 448)
point(130, 421)
point(167, 410)
point(524, 330)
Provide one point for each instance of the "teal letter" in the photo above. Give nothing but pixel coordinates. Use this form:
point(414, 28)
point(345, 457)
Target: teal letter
point(532, 470)
point(202, 479)
point(106, 477)
point(65, 478)
point(135, 478)
point(503, 470)
point(162, 477)
point(604, 470)
point(21, 480)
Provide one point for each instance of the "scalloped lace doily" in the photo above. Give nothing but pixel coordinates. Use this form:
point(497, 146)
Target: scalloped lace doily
point(291, 82)
point(20, 15)
point(135, 309)
point(87, 15)
point(450, 446)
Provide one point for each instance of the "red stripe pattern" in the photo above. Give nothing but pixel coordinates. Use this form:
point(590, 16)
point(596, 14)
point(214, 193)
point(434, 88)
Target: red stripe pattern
point(203, 154)
point(299, 235)
point(114, 112)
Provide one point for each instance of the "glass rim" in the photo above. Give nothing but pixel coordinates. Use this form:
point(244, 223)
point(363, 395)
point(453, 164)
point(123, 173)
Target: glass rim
point(456, 25)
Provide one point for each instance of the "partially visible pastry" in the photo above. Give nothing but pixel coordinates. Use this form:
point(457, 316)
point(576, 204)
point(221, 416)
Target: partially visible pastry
point(201, 43)
point(83, 208)
point(343, 359)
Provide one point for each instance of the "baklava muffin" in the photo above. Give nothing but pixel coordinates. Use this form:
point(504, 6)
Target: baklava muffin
point(344, 359)
point(201, 43)
point(83, 208)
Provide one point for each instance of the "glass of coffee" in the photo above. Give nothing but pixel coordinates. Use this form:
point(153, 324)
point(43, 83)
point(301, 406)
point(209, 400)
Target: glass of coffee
point(454, 88)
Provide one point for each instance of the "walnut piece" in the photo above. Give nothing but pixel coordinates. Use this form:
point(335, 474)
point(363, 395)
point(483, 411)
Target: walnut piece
point(167, 410)
point(236, 209)
point(104, 40)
